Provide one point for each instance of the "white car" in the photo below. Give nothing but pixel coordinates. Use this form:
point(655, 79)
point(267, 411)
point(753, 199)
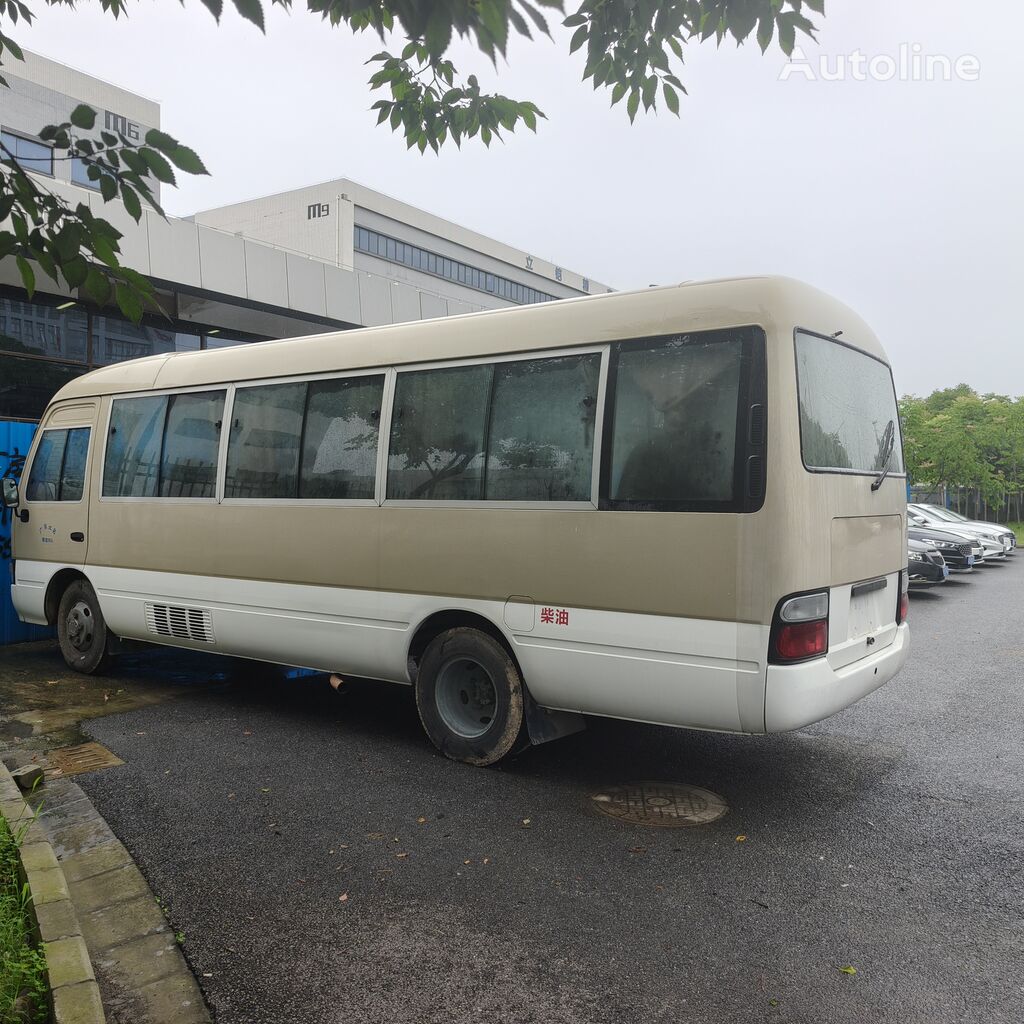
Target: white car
point(992, 542)
point(1004, 533)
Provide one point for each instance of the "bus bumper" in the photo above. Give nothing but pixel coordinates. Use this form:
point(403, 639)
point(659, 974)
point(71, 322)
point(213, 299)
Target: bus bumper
point(797, 695)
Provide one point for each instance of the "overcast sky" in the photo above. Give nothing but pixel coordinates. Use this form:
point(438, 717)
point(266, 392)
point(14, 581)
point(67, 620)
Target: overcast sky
point(905, 199)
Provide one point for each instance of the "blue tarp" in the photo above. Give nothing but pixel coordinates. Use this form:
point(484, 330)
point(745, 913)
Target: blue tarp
point(15, 439)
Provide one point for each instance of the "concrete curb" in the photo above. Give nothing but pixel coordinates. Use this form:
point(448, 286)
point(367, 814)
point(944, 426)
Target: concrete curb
point(74, 993)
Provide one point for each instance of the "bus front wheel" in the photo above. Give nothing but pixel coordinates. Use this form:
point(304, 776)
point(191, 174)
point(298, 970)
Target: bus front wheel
point(470, 697)
point(81, 629)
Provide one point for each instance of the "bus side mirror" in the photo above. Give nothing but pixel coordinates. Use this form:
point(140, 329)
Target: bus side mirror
point(10, 491)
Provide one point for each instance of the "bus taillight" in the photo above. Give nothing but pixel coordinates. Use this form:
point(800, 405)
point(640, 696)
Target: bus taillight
point(800, 629)
point(903, 604)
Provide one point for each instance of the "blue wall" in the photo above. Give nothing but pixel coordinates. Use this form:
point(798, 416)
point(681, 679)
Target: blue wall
point(15, 439)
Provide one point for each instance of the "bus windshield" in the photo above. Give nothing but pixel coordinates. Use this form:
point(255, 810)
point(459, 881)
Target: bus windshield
point(848, 414)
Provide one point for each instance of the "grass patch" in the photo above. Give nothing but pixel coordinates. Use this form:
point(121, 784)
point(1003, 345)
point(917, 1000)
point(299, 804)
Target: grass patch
point(23, 986)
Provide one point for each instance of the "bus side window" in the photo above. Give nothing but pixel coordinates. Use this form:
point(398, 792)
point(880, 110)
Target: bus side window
point(339, 453)
point(674, 422)
point(188, 468)
point(131, 468)
point(58, 469)
point(263, 446)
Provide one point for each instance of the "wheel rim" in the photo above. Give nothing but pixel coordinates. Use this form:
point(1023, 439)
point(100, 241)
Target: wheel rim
point(466, 697)
point(81, 626)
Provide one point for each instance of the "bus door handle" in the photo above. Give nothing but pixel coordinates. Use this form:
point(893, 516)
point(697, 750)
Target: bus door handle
point(78, 535)
point(22, 514)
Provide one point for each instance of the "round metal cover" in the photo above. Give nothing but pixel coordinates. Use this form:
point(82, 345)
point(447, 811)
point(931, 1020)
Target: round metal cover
point(666, 804)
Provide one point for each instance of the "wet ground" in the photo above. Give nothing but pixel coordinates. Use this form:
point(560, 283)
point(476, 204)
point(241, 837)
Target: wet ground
point(324, 864)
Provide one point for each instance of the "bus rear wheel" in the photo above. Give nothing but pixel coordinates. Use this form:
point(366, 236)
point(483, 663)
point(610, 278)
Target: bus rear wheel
point(81, 629)
point(470, 697)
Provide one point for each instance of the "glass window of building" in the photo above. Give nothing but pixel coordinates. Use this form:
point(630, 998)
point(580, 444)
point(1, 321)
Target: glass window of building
point(115, 339)
point(80, 174)
point(27, 385)
point(30, 154)
point(38, 330)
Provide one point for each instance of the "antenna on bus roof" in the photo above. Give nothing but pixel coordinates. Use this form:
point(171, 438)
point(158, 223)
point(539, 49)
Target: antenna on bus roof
point(838, 334)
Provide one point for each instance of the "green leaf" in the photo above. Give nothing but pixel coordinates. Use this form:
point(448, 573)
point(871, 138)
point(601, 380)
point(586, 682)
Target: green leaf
point(158, 165)
point(847, 970)
point(633, 104)
point(131, 202)
point(96, 286)
point(75, 271)
point(28, 276)
point(251, 10)
point(215, 7)
point(187, 160)
point(83, 117)
point(108, 187)
point(579, 37)
point(161, 141)
point(129, 302)
point(671, 98)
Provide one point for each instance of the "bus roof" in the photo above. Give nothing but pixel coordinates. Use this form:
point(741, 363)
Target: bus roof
point(771, 302)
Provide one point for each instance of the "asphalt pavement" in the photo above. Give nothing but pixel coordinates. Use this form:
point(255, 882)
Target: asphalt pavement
point(324, 864)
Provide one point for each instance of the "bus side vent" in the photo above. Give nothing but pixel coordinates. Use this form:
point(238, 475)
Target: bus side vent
point(755, 477)
point(756, 426)
point(180, 623)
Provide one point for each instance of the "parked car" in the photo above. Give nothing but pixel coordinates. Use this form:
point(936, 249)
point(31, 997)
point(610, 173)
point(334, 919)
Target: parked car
point(921, 517)
point(925, 565)
point(1004, 533)
point(960, 552)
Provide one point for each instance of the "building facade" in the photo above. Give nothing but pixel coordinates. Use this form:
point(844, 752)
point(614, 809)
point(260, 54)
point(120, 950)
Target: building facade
point(321, 258)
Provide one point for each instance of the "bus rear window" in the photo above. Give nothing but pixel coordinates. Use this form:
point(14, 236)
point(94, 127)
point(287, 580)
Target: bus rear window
point(847, 402)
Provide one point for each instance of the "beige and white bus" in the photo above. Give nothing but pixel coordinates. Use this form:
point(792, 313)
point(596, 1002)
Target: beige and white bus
point(682, 506)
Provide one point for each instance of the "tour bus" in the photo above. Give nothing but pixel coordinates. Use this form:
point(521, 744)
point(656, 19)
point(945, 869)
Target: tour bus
point(683, 506)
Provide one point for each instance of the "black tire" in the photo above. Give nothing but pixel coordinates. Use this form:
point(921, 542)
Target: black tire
point(470, 697)
point(82, 630)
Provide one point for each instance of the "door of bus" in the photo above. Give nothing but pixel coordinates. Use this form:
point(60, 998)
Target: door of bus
point(52, 521)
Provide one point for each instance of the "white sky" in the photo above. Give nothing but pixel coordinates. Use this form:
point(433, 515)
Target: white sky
point(903, 199)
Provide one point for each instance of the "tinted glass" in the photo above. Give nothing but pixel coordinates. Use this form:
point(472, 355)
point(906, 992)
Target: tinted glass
point(72, 484)
point(437, 434)
point(43, 330)
point(80, 174)
point(115, 339)
point(674, 421)
point(541, 439)
point(191, 442)
point(263, 448)
point(847, 403)
point(132, 464)
point(32, 156)
point(27, 385)
point(44, 480)
point(339, 458)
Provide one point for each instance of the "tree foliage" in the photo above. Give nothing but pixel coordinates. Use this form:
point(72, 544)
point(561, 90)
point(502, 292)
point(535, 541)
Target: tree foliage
point(967, 445)
point(634, 49)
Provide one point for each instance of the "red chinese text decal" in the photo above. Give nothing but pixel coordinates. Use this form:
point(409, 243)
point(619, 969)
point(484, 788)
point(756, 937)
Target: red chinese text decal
point(554, 616)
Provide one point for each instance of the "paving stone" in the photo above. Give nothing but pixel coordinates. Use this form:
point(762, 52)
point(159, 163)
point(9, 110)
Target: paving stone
point(140, 962)
point(16, 810)
point(175, 1000)
point(27, 777)
point(67, 962)
point(95, 861)
point(48, 886)
point(122, 922)
point(37, 857)
point(78, 1004)
point(57, 920)
point(117, 886)
point(79, 838)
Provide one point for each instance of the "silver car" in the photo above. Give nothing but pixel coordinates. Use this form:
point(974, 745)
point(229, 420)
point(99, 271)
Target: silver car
point(1004, 533)
point(924, 515)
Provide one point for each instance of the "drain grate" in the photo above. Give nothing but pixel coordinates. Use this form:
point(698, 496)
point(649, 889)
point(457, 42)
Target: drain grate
point(87, 757)
point(664, 804)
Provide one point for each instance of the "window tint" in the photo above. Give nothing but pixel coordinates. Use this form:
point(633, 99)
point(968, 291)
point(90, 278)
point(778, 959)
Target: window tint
point(72, 483)
point(263, 449)
point(437, 433)
point(29, 154)
point(847, 402)
point(58, 469)
point(541, 437)
point(132, 462)
point(188, 468)
point(674, 421)
point(44, 480)
point(339, 457)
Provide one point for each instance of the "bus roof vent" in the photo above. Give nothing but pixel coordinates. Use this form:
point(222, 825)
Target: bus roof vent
point(180, 623)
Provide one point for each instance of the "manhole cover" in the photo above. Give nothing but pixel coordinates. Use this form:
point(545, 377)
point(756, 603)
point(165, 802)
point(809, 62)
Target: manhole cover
point(666, 804)
point(88, 757)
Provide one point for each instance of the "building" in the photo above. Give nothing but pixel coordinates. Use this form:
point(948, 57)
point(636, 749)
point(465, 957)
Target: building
point(322, 258)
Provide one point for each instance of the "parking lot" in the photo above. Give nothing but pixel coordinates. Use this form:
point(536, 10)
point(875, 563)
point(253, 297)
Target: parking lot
point(325, 864)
